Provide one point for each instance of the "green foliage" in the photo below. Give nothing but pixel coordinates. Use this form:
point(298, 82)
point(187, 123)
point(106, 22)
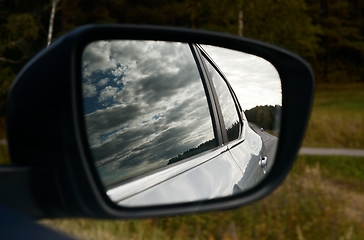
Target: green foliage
point(267, 117)
point(284, 23)
point(22, 26)
point(73, 13)
point(19, 33)
point(341, 41)
point(329, 34)
point(203, 147)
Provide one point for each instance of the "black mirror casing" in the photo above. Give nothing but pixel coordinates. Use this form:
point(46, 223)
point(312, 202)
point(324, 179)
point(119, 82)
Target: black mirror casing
point(46, 130)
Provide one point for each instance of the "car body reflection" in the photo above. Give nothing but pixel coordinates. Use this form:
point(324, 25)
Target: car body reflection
point(220, 173)
point(164, 126)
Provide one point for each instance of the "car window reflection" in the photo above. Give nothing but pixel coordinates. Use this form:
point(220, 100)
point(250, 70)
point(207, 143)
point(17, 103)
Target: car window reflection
point(229, 111)
point(145, 107)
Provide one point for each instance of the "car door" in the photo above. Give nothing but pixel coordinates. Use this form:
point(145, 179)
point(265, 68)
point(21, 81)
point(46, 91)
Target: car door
point(173, 106)
point(245, 146)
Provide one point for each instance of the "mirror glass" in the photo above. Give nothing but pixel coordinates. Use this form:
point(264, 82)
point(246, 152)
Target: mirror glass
point(171, 122)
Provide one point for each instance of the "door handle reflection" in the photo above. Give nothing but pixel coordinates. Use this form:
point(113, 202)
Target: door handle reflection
point(263, 164)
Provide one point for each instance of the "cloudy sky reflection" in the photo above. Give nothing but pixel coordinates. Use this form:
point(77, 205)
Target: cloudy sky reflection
point(255, 80)
point(144, 104)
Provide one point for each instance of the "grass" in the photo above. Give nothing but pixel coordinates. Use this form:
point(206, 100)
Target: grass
point(308, 205)
point(337, 118)
point(339, 167)
point(322, 197)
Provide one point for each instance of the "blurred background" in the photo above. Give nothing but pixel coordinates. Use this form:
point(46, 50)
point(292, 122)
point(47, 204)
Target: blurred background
point(323, 196)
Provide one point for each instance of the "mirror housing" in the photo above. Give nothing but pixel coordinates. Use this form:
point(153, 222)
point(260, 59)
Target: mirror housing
point(46, 133)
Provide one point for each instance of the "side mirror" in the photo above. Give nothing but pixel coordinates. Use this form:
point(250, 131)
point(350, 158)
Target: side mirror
point(136, 121)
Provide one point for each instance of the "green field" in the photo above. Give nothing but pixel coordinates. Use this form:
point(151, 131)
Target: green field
point(337, 118)
point(314, 202)
point(322, 197)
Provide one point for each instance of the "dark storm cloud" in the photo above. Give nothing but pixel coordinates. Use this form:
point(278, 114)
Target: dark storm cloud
point(161, 78)
point(158, 111)
point(109, 118)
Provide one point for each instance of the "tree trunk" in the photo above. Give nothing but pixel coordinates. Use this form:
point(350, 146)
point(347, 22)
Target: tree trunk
point(240, 23)
point(328, 42)
point(51, 21)
point(240, 18)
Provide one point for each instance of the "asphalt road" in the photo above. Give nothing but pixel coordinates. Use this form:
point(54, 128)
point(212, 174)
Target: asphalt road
point(332, 152)
point(270, 142)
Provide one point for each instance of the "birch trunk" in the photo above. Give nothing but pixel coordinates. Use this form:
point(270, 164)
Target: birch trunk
point(51, 21)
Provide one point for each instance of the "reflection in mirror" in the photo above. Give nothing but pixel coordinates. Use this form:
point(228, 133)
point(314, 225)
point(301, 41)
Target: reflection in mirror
point(257, 86)
point(149, 118)
point(144, 105)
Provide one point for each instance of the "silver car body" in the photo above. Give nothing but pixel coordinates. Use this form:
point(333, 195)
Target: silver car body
point(221, 172)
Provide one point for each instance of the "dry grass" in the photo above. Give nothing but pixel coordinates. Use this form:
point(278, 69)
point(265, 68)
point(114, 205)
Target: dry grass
point(335, 130)
point(337, 118)
point(105, 229)
point(306, 206)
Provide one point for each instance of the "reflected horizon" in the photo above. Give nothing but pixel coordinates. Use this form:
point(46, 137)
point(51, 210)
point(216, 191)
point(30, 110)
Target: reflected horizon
point(136, 96)
point(149, 121)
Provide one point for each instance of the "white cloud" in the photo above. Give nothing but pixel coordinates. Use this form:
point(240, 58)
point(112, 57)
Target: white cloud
point(89, 90)
point(118, 71)
point(96, 58)
point(254, 80)
point(103, 82)
point(107, 92)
